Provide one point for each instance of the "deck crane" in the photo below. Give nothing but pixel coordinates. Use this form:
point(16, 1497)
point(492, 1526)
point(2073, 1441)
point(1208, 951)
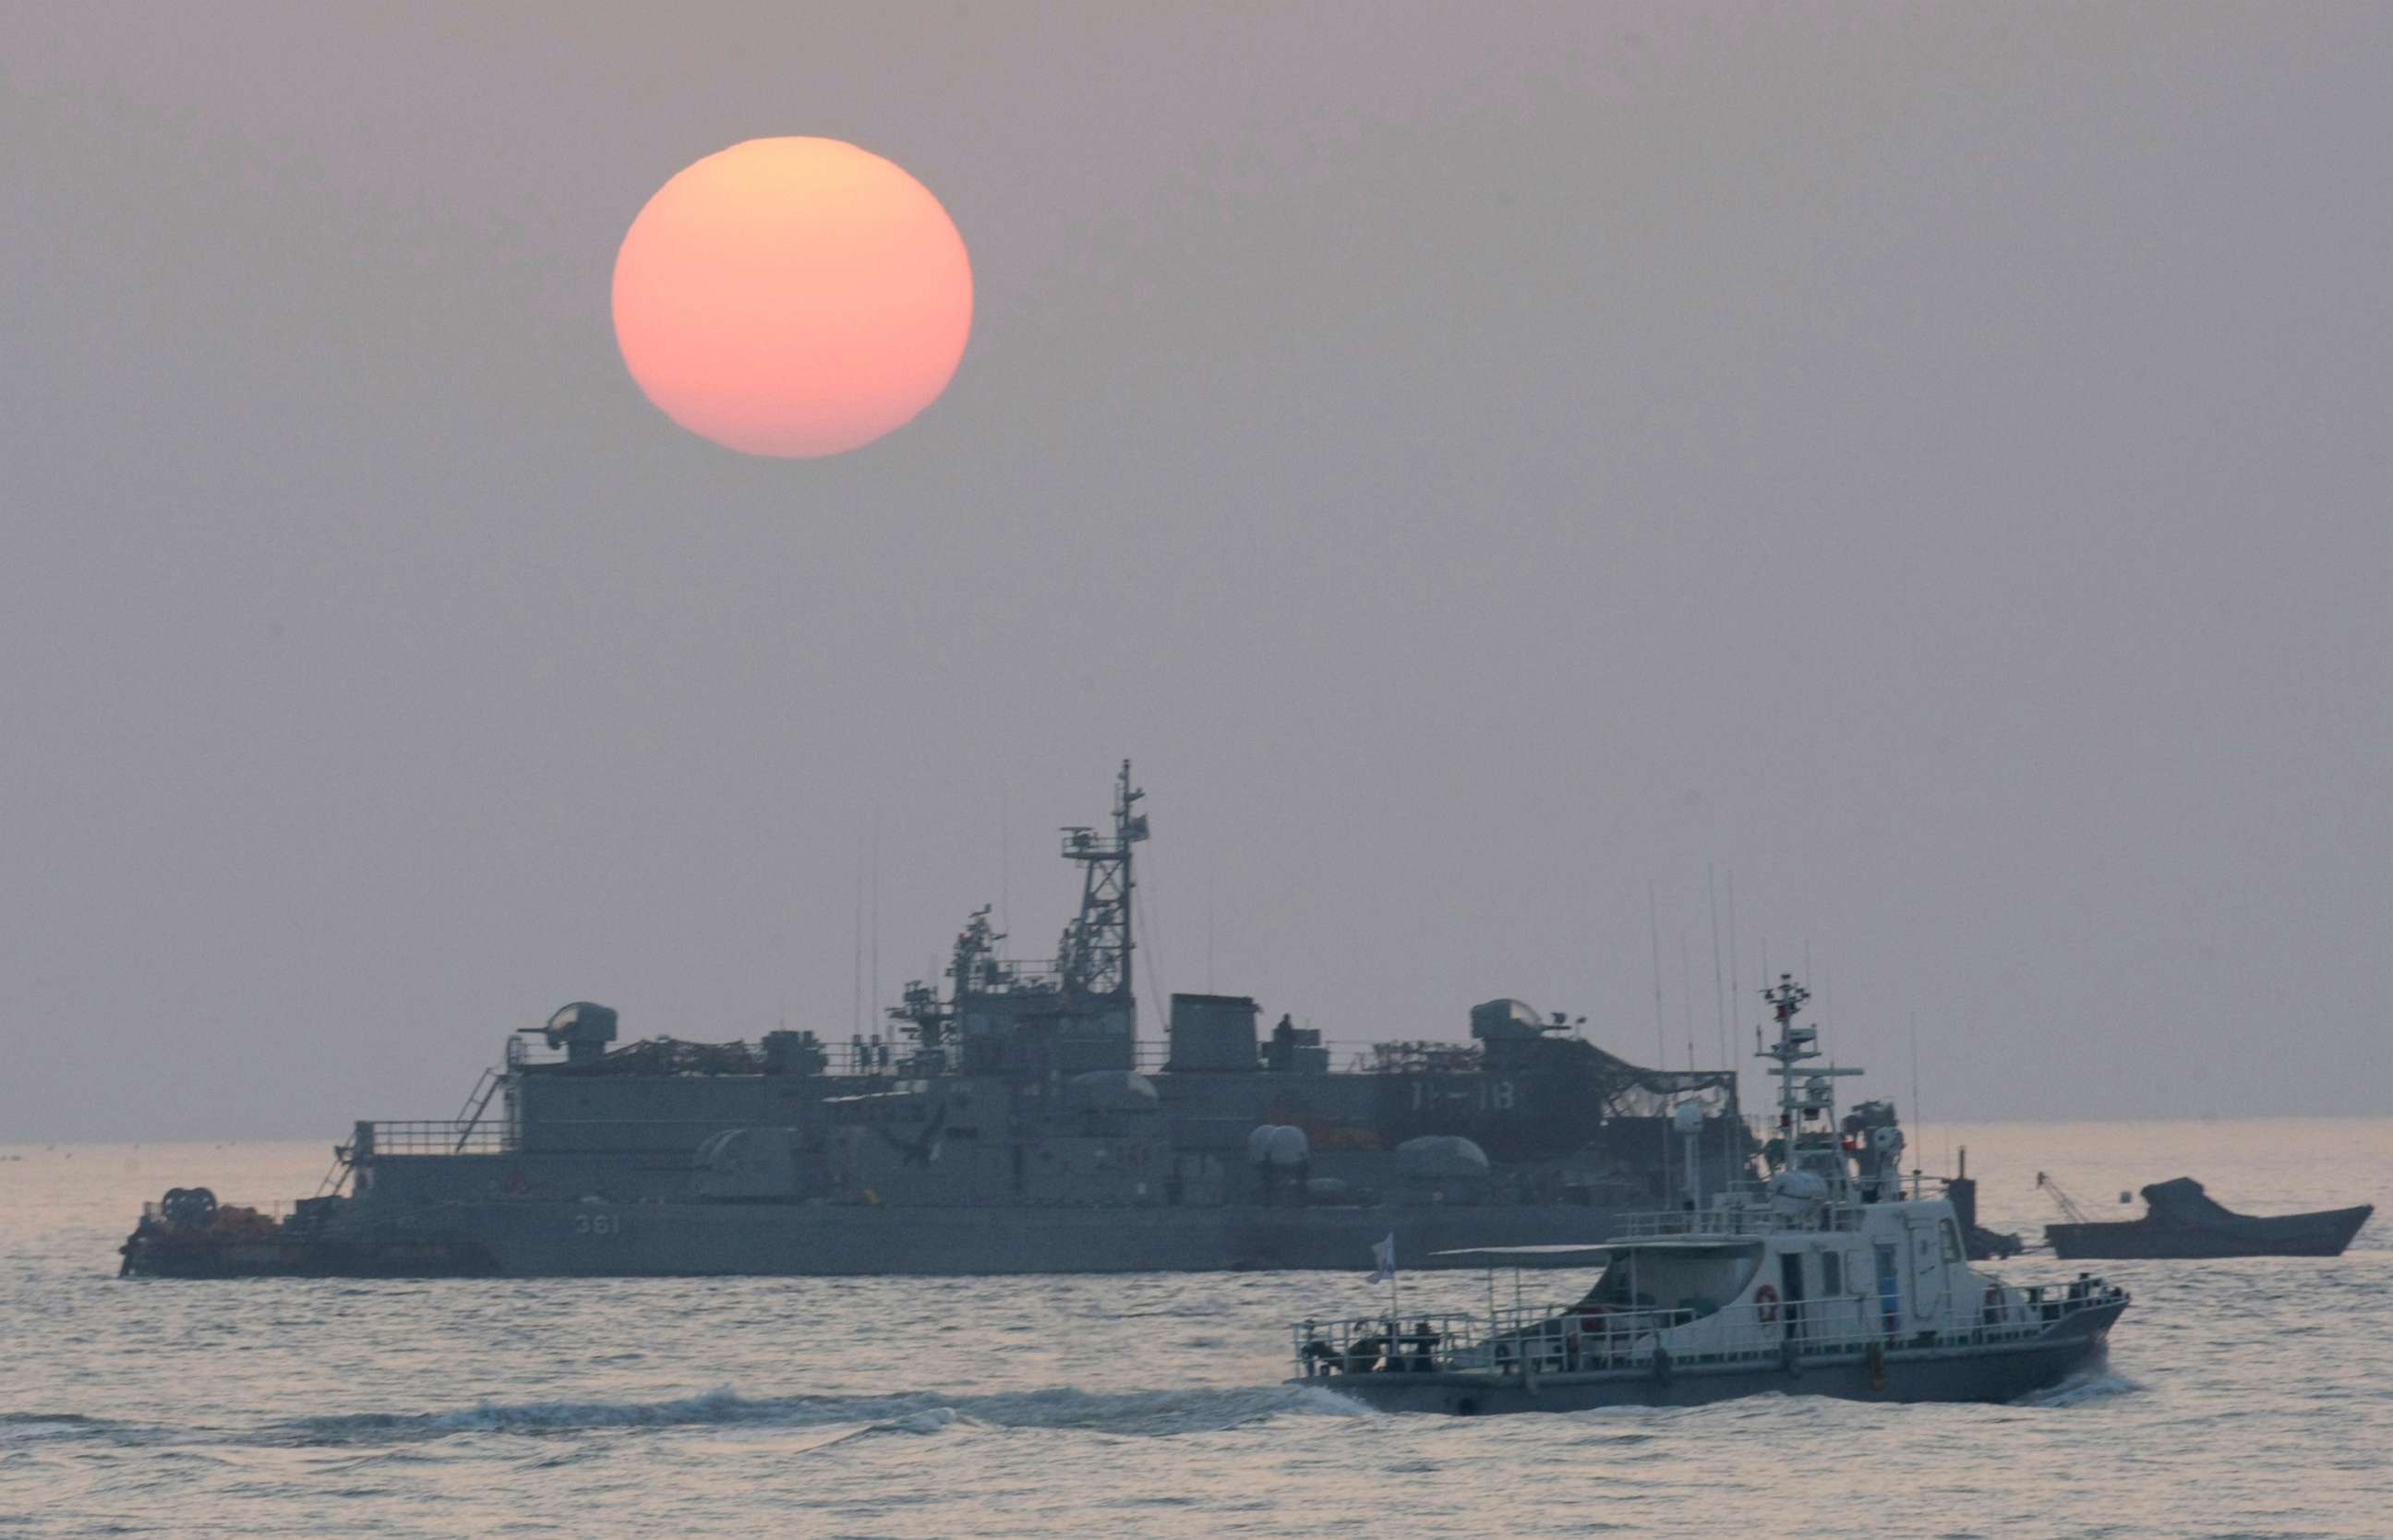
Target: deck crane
point(2068, 1205)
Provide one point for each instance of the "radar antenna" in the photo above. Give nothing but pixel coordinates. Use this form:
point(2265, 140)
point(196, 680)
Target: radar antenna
point(933, 1024)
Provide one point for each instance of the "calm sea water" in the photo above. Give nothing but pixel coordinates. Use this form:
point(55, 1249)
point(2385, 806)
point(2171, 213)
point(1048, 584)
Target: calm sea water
point(2241, 1399)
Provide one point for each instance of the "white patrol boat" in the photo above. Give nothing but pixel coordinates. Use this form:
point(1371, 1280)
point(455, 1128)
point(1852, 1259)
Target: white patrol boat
point(1831, 1278)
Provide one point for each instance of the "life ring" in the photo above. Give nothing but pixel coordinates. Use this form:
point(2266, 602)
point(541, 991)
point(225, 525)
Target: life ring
point(1765, 1304)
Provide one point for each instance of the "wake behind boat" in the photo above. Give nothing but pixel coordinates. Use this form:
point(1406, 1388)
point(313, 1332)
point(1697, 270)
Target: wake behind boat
point(1829, 1279)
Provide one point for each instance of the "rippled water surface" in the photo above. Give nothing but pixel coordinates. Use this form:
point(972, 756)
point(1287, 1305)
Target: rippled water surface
point(2248, 1398)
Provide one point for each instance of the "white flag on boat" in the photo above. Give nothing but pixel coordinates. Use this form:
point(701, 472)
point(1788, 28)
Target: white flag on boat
point(1383, 1260)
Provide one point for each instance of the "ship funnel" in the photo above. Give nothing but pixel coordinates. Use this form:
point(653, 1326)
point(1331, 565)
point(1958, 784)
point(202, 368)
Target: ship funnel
point(1212, 1032)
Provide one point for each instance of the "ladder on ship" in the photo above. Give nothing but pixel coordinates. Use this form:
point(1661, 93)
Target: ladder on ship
point(478, 1101)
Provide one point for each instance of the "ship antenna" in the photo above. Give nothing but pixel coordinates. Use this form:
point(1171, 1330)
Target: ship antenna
point(876, 909)
point(1727, 879)
point(1209, 927)
point(1661, 1048)
point(1915, 1094)
point(1653, 923)
point(1719, 990)
point(1687, 997)
point(856, 1008)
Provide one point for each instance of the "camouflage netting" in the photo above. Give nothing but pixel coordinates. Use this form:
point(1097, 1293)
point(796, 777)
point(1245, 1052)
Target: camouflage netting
point(672, 1056)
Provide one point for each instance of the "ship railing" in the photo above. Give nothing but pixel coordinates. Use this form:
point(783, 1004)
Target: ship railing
point(1753, 1209)
point(1154, 1056)
point(1382, 1344)
point(434, 1137)
point(1021, 974)
point(1759, 1220)
point(1550, 1339)
point(898, 1058)
point(1355, 1056)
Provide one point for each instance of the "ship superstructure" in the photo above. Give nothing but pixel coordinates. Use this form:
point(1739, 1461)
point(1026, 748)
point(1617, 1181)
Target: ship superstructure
point(1010, 1121)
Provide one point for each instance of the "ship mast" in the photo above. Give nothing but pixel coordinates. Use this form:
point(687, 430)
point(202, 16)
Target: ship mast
point(1094, 956)
point(1807, 1123)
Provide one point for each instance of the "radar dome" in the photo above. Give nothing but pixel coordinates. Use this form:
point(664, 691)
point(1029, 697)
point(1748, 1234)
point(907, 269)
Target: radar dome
point(1277, 1145)
point(1441, 1158)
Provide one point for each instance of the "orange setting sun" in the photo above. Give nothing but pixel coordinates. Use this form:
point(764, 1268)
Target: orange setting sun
point(792, 296)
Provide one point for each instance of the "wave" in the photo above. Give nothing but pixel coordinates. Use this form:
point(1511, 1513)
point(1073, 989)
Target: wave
point(1147, 1413)
point(2080, 1387)
point(40, 1426)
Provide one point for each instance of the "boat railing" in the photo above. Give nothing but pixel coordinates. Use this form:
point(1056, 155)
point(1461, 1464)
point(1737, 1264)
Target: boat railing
point(1387, 1344)
point(1757, 1221)
point(434, 1137)
point(1537, 1340)
point(1753, 1209)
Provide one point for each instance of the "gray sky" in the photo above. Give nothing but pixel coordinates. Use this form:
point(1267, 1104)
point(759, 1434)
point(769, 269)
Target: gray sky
point(1928, 462)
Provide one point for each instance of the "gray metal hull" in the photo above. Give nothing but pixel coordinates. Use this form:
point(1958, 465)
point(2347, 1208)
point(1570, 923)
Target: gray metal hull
point(532, 1239)
point(1948, 1373)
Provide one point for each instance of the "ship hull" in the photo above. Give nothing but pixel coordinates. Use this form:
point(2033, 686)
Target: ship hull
point(2324, 1234)
point(539, 1240)
point(207, 1256)
point(1965, 1372)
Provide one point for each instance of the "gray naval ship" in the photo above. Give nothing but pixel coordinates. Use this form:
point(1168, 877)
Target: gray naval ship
point(1010, 1120)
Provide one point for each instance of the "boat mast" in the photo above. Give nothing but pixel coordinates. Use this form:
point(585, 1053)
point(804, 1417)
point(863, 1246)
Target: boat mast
point(1804, 1095)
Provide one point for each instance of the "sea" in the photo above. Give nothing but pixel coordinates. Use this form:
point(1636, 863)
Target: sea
point(2241, 1399)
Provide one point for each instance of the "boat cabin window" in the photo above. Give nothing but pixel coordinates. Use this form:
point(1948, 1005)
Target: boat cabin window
point(1698, 1279)
point(1832, 1274)
point(1952, 1240)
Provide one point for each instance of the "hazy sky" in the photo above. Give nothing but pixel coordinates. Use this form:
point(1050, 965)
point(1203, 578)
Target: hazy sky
point(1929, 463)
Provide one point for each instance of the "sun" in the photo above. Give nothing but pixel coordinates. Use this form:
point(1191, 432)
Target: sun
point(792, 296)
